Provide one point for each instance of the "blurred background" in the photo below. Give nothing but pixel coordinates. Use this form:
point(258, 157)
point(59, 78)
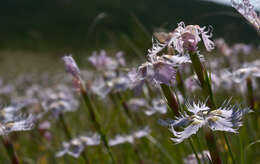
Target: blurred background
point(33, 32)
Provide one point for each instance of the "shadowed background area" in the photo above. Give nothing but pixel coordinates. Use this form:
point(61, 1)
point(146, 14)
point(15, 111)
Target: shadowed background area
point(66, 25)
point(38, 33)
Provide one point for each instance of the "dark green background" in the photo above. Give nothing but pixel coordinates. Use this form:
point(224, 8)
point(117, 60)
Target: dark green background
point(67, 25)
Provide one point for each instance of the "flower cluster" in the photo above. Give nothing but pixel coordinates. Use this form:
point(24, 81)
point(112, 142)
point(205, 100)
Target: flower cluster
point(161, 69)
point(77, 145)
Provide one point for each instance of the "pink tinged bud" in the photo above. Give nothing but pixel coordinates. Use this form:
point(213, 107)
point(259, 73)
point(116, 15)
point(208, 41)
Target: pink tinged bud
point(189, 41)
point(71, 67)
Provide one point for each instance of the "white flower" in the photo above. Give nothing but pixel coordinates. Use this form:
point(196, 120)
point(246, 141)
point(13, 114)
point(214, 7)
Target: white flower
point(77, 145)
point(15, 122)
point(226, 118)
point(129, 138)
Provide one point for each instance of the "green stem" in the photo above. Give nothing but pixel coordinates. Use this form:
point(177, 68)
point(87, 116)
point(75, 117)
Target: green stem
point(95, 121)
point(161, 148)
point(207, 91)
point(194, 151)
point(242, 150)
point(69, 136)
point(252, 101)
point(65, 127)
point(124, 105)
point(180, 84)
point(10, 150)
point(171, 100)
point(229, 148)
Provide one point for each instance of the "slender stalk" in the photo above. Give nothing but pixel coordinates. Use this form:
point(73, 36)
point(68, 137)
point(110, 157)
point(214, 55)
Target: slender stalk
point(95, 120)
point(65, 127)
point(10, 150)
point(251, 100)
point(69, 136)
point(171, 99)
point(229, 148)
point(207, 91)
point(194, 151)
point(204, 80)
point(124, 105)
point(242, 156)
point(161, 148)
point(180, 84)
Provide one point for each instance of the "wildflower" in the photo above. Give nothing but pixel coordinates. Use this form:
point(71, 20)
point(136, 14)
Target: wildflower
point(223, 47)
point(129, 138)
point(161, 69)
point(248, 70)
point(11, 120)
point(245, 8)
point(157, 72)
point(137, 103)
point(102, 62)
point(142, 132)
point(44, 129)
point(187, 38)
point(226, 118)
point(77, 145)
point(240, 48)
point(157, 105)
point(204, 157)
point(120, 58)
point(71, 66)
point(120, 139)
point(102, 87)
point(60, 101)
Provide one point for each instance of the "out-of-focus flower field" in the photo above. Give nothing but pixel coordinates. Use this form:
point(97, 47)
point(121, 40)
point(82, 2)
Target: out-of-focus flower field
point(192, 98)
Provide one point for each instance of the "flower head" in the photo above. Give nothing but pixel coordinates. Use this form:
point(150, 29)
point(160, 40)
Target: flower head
point(13, 120)
point(226, 118)
point(161, 68)
point(71, 66)
point(157, 105)
point(77, 145)
point(129, 138)
point(104, 63)
point(59, 101)
point(245, 8)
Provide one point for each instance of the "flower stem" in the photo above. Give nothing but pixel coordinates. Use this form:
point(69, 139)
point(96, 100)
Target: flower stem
point(65, 126)
point(95, 121)
point(194, 151)
point(171, 99)
point(69, 136)
point(180, 84)
point(251, 100)
point(229, 148)
point(10, 150)
point(206, 87)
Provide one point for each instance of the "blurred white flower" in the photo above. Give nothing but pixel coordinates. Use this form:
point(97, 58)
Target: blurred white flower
point(12, 119)
point(204, 158)
point(245, 8)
